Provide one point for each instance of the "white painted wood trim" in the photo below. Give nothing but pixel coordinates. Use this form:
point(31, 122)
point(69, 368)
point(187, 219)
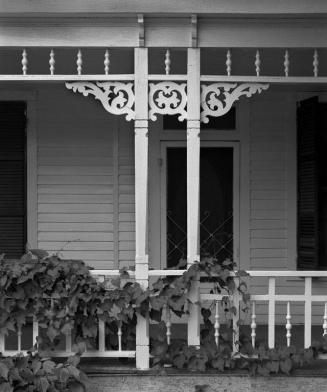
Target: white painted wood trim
point(252, 273)
point(129, 7)
point(193, 155)
point(112, 30)
point(296, 80)
point(141, 198)
point(307, 312)
point(265, 79)
point(67, 78)
point(271, 311)
point(193, 188)
point(87, 354)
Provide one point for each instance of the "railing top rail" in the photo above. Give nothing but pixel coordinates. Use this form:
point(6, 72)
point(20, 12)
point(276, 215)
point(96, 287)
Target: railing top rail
point(286, 273)
point(263, 273)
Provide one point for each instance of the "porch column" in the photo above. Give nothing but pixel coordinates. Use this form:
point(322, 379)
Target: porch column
point(193, 185)
point(141, 196)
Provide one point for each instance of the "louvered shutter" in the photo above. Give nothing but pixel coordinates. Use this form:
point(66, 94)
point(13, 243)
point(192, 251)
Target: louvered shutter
point(12, 179)
point(308, 185)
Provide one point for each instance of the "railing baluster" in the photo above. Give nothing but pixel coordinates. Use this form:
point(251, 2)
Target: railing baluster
point(286, 63)
point(167, 62)
point(119, 333)
point(68, 337)
point(217, 325)
point(229, 63)
point(324, 326)
point(253, 325)
point(19, 338)
point(271, 311)
point(315, 63)
point(102, 341)
point(24, 62)
point(307, 312)
point(2, 343)
point(257, 63)
point(79, 62)
point(106, 62)
point(236, 319)
point(288, 324)
point(52, 62)
point(168, 324)
point(35, 331)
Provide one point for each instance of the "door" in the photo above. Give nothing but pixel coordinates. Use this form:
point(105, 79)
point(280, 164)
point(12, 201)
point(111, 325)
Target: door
point(218, 202)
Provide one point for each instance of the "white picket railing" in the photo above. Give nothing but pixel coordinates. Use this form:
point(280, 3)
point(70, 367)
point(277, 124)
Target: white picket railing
point(271, 298)
point(285, 74)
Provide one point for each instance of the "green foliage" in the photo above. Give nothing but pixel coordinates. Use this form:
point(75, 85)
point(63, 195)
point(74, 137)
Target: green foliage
point(32, 373)
point(64, 297)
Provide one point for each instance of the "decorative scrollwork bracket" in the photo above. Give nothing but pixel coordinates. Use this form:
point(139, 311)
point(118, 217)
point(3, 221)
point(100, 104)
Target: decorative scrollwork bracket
point(218, 98)
point(116, 97)
point(167, 98)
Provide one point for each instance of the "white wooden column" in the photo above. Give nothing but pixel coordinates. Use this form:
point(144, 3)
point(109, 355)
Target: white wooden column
point(193, 185)
point(141, 196)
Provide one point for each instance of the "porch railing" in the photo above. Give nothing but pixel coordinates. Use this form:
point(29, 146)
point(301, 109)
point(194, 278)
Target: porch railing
point(271, 295)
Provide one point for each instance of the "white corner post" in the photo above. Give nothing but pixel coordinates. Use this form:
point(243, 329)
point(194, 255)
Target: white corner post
point(141, 197)
point(193, 187)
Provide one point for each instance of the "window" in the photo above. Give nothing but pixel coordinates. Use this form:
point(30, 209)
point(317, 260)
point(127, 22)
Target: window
point(216, 203)
point(312, 184)
point(12, 179)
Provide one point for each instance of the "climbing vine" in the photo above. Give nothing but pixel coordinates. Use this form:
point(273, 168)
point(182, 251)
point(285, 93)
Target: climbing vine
point(64, 297)
point(33, 373)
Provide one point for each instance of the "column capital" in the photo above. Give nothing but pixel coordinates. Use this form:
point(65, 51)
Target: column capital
point(141, 123)
point(194, 124)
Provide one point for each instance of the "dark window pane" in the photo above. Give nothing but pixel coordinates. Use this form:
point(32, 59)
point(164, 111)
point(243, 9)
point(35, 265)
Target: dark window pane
point(216, 203)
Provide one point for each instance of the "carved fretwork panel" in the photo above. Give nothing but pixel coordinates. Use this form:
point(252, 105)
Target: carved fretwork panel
point(218, 98)
point(116, 97)
point(167, 98)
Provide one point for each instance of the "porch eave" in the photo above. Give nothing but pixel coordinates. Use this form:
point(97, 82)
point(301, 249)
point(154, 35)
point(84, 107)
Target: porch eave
point(219, 7)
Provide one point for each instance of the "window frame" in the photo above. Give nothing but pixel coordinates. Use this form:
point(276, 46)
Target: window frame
point(163, 193)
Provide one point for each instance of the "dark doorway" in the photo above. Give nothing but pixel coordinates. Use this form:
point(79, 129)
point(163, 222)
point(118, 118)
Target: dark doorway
point(216, 203)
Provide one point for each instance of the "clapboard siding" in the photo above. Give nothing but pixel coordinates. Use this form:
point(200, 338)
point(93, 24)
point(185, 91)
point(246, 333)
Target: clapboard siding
point(76, 178)
point(268, 192)
point(77, 218)
point(126, 227)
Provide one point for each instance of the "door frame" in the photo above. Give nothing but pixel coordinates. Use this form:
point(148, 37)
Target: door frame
point(235, 145)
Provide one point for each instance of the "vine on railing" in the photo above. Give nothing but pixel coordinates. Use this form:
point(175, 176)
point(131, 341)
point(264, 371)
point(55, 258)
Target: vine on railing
point(64, 298)
point(33, 373)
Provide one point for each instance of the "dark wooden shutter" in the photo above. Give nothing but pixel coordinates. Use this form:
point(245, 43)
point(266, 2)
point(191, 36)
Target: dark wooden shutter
point(12, 178)
point(308, 184)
